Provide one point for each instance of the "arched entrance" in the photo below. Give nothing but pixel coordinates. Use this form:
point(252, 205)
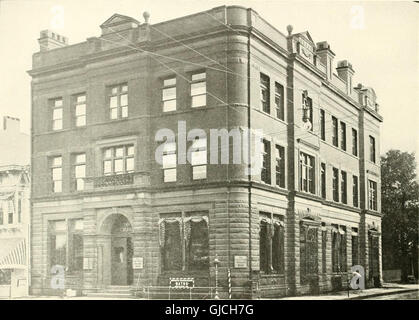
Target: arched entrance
point(118, 250)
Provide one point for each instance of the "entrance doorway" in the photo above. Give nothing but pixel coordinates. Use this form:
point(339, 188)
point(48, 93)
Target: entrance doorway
point(117, 252)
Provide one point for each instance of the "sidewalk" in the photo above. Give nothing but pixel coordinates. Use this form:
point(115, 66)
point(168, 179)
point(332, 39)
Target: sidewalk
point(386, 289)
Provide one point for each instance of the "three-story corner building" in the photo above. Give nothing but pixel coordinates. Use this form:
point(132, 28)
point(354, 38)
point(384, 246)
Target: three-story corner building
point(107, 213)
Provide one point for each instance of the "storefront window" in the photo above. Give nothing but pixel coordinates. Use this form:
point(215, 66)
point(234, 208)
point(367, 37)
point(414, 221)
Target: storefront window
point(184, 243)
point(172, 247)
point(66, 244)
point(198, 249)
point(308, 252)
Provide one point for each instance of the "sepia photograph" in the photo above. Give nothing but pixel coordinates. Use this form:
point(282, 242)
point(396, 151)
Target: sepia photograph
point(209, 150)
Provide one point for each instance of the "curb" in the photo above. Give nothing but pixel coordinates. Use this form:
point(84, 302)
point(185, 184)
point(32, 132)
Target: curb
point(382, 294)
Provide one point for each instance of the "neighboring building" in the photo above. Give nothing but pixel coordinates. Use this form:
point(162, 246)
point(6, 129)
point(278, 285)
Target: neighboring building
point(107, 212)
point(14, 210)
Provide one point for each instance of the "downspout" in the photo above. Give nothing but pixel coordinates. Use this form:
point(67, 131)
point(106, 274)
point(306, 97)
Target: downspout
point(249, 149)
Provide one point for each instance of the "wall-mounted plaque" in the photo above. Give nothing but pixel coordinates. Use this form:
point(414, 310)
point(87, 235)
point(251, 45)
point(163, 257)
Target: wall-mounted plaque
point(138, 263)
point(240, 261)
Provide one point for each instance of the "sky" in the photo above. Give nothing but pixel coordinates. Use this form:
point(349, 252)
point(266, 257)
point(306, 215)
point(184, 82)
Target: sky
point(379, 38)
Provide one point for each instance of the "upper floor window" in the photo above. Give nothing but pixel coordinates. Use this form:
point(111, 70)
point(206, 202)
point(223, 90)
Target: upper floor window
point(336, 184)
point(199, 158)
point(343, 135)
point(57, 174)
point(280, 166)
point(307, 109)
point(169, 162)
point(335, 132)
point(169, 94)
point(79, 170)
point(355, 191)
point(322, 125)
point(354, 142)
point(372, 149)
point(57, 114)
point(279, 101)
point(343, 187)
point(118, 160)
point(118, 101)
point(265, 93)
point(266, 162)
point(372, 195)
point(307, 173)
point(323, 180)
point(199, 90)
point(80, 110)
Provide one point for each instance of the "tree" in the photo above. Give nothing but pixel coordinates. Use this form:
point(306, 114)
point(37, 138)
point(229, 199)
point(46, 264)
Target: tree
point(400, 194)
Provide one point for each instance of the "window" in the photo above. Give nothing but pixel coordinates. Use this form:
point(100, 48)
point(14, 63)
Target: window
point(199, 158)
point(355, 191)
point(57, 174)
point(308, 253)
point(343, 136)
point(266, 162)
point(19, 208)
point(372, 149)
point(197, 245)
point(339, 249)
point(198, 90)
point(118, 101)
point(79, 170)
point(307, 109)
point(279, 101)
point(118, 160)
point(1, 215)
point(372, 195)
point(307, 175)
point(355, 247)
point(58, 243)
point(10, 211)
point(343, 187)
point(335, 184)
point(354, 142)
point(80, 110)
point(271, 245)
point(280, 166)
point(322, 125)
point(335, 132)
point(66, 244)
point(169, 162)
point(323, 180)
point(172, 245)
point(265, 93)
point(324, 248)
point(184, 236)
point(76, 245)
point(169, 94)
point(57, 114)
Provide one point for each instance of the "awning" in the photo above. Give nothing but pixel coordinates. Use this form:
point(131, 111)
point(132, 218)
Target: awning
point(6, 196)
point(12, 253)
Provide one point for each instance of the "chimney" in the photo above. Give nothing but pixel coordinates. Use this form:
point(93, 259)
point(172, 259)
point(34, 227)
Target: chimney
point(11, 125)
point(51, 40)
point(326, 56)
point(346, 72)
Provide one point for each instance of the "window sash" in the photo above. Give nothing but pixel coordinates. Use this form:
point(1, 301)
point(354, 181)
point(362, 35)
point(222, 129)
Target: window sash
point(118, 101)
point(118, 160)
point(279, 101)
point(354, 142)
